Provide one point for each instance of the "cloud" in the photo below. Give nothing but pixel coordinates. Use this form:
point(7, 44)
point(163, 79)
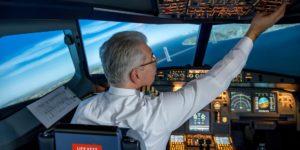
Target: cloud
point(97, 26)
point(34, 52)
point(35, 64)
point(161, 33)
point(152, 31)
point(94, 39)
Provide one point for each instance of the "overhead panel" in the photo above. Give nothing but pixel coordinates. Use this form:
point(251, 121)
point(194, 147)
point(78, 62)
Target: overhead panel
point(216, 9)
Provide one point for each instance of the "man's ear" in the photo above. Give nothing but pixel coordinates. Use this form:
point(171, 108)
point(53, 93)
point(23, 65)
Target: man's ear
point(134, 76)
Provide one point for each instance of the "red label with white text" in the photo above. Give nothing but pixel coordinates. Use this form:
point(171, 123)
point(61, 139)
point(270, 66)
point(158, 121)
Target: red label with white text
point(86, 147)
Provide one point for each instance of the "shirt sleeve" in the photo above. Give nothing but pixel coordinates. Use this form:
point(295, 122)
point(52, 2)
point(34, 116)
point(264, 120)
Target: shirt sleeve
point(179, 106)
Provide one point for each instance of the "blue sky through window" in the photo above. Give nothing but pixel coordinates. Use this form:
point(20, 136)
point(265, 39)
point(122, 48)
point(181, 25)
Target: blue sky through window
point(168, 41)
point(275, 51)
point(32, 64)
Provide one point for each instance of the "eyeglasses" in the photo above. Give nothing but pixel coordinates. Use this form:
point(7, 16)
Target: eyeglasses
point(153, 60)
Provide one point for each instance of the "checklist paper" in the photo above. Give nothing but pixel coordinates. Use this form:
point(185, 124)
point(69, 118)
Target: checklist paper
point(52, 107)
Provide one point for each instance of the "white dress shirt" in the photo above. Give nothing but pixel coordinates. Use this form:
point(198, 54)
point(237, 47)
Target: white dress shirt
point(155, 118)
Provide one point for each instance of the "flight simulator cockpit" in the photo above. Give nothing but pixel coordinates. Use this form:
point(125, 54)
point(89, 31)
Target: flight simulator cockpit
point(50, 47)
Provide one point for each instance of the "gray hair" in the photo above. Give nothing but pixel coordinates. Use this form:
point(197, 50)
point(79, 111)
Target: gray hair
point(120, 54)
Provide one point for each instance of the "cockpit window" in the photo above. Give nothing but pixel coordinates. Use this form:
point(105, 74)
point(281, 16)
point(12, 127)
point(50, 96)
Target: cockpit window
point(31, 65)
point(172, 44)
point(275, 51)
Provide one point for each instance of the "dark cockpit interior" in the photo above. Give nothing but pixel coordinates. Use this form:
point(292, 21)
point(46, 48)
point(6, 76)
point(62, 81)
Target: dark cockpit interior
point(49, 62)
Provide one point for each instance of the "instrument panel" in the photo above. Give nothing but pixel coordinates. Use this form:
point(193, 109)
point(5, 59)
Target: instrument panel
point(200, 9)
point(188, 74)
point(252, 98)
point(250, 93)
point(178, 75)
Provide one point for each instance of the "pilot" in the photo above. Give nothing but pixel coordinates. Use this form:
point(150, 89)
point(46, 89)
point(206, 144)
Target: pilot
point(129, 64)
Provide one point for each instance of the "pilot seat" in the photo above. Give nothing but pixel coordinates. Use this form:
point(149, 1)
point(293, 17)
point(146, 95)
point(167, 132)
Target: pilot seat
point(87, 137)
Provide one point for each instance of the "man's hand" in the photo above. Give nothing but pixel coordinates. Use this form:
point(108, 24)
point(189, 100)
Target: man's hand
point(263, 21)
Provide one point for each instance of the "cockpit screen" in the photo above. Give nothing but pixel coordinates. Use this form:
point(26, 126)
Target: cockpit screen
point(177, 138)
point(265, 102)
point(222, 140)
point(200, 122)
point(240, 101)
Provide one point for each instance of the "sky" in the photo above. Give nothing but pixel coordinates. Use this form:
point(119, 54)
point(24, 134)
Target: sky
point(33, 60)
point(95, 33)
point(30, 61)
point(275, 51)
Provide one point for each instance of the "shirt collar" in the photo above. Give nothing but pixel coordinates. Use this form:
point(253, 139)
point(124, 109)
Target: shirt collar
point(122, 91)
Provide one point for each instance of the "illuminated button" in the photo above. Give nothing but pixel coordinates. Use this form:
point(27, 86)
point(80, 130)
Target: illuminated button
point(190, 75)
point(224, 119)
point(217, 105)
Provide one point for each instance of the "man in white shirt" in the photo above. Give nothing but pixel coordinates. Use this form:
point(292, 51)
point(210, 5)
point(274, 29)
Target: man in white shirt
point(129, 64)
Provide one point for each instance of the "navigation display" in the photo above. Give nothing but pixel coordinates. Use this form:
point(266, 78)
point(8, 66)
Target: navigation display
point(240, 101)
point(200, 122)
point(265, 102)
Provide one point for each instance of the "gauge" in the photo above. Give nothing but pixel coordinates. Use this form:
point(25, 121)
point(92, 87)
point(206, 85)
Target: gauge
point(240, 102)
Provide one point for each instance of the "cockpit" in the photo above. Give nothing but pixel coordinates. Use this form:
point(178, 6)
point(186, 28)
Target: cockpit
point(49, 63)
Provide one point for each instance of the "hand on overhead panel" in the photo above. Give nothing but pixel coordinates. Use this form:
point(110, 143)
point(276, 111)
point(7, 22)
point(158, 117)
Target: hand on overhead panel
point(263, 21)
